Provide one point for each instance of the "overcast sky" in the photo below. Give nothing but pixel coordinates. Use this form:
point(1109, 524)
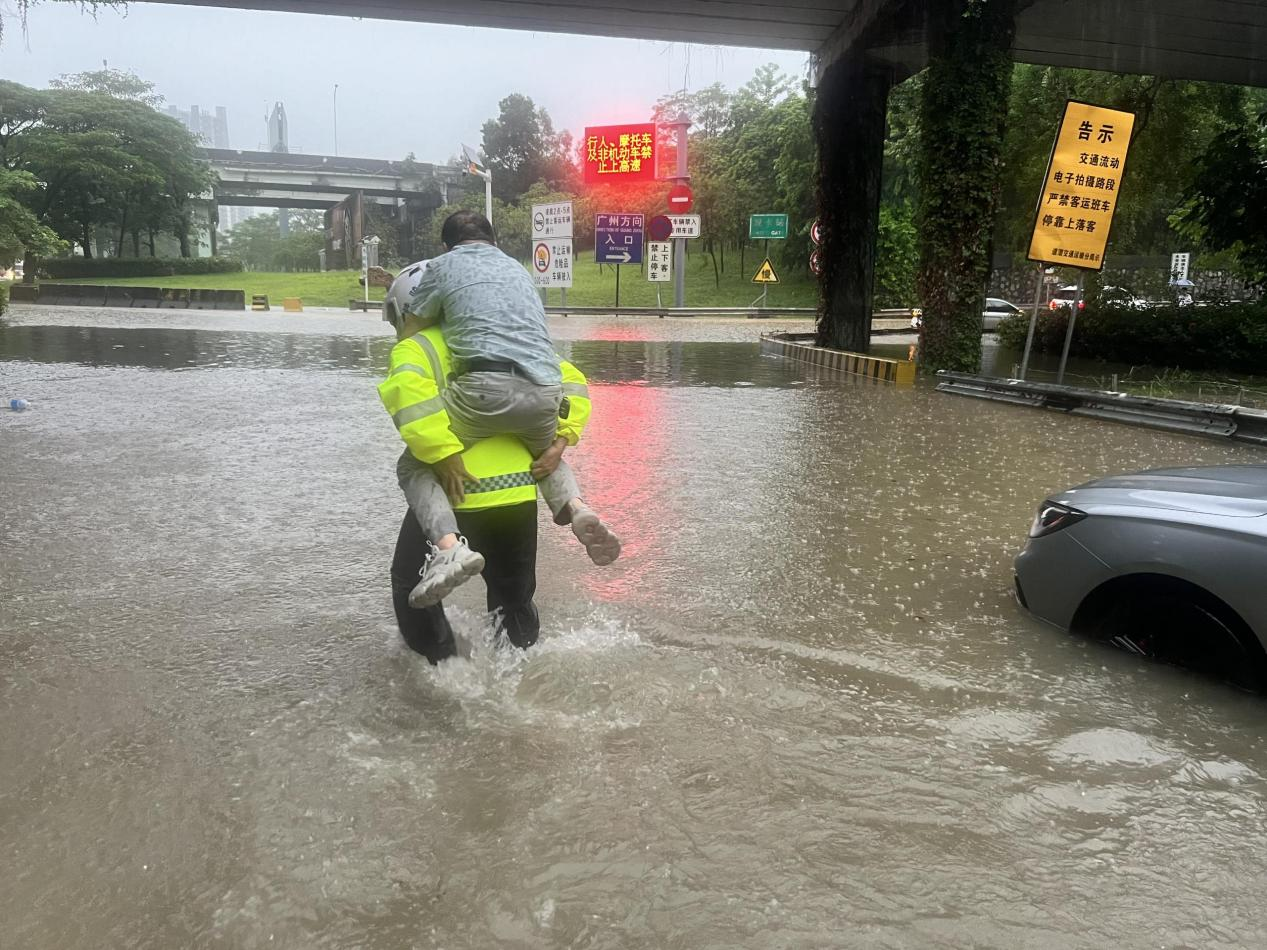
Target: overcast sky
point(402, 86)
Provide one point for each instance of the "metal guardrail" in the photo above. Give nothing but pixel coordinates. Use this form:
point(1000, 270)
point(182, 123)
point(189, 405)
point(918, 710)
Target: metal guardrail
point(752, 313)
point(1172, 415)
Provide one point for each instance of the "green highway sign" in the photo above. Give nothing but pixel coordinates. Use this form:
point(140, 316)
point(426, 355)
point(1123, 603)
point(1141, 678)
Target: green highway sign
point(768, 227)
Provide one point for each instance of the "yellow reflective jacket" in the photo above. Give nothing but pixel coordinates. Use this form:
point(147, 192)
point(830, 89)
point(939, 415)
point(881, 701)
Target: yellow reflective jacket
point(419, 371)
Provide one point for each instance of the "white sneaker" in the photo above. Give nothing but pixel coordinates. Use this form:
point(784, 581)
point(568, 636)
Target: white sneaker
point(601, 543)
point(445, 572)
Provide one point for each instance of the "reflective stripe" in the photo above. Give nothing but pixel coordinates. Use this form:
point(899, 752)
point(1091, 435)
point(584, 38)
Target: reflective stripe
point(576, 389)
point(433, 358)
point(419, 410)
point(500, 482)
point(408, 368)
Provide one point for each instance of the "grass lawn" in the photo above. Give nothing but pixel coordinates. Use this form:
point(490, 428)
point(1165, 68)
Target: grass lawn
point(331, 289)
point(592, 286)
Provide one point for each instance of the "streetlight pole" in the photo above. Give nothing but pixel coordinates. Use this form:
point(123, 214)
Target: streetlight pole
point(474, 167)
point(336, 120)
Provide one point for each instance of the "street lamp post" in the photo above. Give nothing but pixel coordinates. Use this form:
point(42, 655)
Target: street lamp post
point(473, 166)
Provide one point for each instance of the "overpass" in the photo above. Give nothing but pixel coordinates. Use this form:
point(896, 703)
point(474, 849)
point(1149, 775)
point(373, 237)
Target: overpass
point(1215, 40)
point(294, 180)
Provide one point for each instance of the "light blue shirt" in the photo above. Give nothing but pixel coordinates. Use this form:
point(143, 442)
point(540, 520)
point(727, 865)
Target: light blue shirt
point(487, 308)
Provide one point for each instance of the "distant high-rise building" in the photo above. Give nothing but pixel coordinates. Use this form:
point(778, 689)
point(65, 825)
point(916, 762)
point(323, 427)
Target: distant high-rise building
point(278, 134)
point(211, 130)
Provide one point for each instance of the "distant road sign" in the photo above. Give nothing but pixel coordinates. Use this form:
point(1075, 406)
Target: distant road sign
point(816, 232)
point(681, 199)
point(618, 238)
point(766, 274)
point(816, 262)
point(659, 262)
point(767, 227)
point(614, 154)
point(552, 220)
point(1179, 265)
point(685, 225)
point(552, 263)
point(659, 228)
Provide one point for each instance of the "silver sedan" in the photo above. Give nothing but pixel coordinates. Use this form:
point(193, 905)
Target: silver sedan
point(1170, 563)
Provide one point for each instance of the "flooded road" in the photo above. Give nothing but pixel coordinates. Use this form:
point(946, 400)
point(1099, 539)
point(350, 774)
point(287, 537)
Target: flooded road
point(802, 711)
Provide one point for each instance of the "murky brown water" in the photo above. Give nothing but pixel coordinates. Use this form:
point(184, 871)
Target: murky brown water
point(803, 712)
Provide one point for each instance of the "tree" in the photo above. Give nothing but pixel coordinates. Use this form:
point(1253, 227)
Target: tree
point(117, 83)
point(1226, 206)
point(258, 243)
point(99, 160)
point(24, 7)
point(522, 148)
point(20, 230)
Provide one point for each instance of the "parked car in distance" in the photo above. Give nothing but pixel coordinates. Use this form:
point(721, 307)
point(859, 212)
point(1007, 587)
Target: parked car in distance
point(1120, 297)
point(1065, 297)
point(1169, 563)
point(996, 311)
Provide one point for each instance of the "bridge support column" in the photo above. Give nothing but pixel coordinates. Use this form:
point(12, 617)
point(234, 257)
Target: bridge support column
point(849, 126)
point(963, 117)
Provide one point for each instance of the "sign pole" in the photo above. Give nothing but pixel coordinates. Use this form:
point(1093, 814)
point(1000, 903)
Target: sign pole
point(1033, 319)
point(618, 289)
point(765, 288)
point(1073, 317)
point(679, 244)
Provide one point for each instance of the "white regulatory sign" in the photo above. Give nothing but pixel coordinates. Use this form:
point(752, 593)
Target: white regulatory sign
point(685, 225)
point(552, 263)
point(1179, 266)
point(659, 261)
point(552, 221)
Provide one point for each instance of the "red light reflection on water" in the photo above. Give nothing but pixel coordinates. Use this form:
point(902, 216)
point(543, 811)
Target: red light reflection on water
point(624, 476)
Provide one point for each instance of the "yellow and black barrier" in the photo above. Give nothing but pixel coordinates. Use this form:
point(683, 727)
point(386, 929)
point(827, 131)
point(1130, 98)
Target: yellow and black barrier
point(259, 301)
point(801, 348)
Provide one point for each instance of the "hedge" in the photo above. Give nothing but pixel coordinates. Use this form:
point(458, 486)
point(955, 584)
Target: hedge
point(1218, 336)
point(4, 298)
point(63, 268)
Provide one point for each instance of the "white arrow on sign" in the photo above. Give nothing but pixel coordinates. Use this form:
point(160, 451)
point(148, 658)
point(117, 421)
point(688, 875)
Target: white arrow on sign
point(622, 259)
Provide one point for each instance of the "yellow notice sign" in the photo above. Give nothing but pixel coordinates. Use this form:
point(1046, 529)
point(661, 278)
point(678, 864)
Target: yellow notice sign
point(1084, 181)
point(766, 274)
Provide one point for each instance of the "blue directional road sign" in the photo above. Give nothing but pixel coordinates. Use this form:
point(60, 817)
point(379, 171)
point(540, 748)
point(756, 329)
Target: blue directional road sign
point(618, 238)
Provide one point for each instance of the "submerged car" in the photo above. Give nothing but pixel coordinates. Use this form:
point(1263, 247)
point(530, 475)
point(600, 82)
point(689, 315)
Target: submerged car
point(1169, 563)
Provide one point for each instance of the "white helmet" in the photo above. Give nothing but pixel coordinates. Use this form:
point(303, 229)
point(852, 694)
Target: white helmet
point(397, 300)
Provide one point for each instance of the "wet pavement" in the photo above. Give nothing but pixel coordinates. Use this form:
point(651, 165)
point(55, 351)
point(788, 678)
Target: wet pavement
point(803, 711)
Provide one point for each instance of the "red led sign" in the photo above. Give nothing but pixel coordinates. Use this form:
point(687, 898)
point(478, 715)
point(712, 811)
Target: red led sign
point(620, 153)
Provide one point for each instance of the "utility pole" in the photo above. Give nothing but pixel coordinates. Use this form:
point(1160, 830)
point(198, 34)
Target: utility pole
point(336, 120)
point(682, 124)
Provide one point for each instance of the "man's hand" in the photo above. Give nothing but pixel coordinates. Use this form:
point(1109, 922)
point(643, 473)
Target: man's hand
point(549, 460)
point(451, 473)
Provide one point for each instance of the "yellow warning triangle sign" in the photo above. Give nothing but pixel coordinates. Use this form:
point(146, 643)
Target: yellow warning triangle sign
point(766, 274)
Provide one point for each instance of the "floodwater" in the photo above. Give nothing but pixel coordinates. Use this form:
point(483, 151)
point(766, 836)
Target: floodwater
point(803, 711)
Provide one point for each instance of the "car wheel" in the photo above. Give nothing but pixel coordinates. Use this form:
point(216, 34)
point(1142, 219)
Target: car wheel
point(1181, 631)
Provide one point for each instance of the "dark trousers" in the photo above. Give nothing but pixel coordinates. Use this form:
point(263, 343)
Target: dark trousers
point(507, 537)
